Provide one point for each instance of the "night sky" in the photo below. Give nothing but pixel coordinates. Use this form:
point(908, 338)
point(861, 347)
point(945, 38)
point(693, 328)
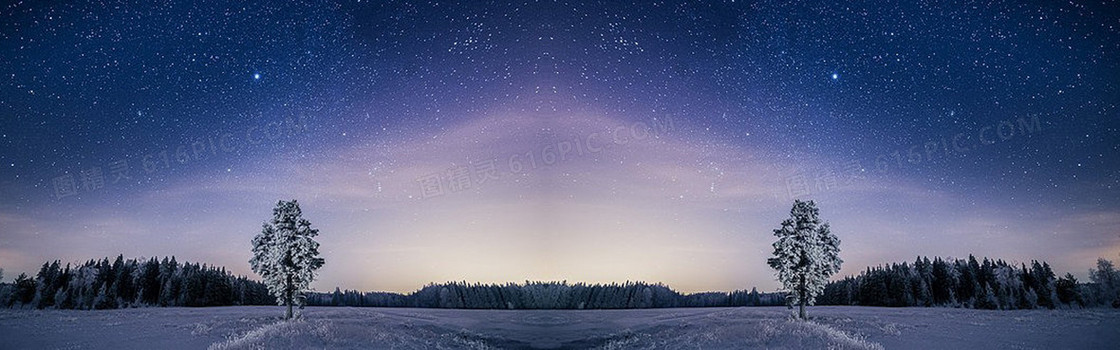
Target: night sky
point(577, 141)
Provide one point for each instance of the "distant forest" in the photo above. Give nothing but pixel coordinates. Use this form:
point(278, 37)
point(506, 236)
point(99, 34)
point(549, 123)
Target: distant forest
point(969, 283)
point(101, 284)
point(546, 295)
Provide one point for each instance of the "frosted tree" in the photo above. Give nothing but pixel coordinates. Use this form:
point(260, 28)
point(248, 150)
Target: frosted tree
point(286, 255)
point(1106, 282)
point(805, 255)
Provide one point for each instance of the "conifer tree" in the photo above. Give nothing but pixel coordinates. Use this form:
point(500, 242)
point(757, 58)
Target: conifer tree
point(805, 255)
point(286, 255)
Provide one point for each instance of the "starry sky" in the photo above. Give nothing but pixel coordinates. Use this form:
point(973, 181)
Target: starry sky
point(552, 140)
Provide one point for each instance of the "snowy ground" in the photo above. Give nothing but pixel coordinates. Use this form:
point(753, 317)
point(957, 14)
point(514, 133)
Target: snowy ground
point(710, 328)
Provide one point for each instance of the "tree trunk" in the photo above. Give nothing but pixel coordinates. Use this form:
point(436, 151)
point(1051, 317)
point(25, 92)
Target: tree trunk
point(288, 298)
point(801, 300)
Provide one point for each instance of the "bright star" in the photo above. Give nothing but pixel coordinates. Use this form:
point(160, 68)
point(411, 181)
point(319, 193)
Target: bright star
point(256, 76)
point(835, 76)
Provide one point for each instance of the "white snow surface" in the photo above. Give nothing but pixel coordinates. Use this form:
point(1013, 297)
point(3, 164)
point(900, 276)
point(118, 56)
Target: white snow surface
point(260, 327)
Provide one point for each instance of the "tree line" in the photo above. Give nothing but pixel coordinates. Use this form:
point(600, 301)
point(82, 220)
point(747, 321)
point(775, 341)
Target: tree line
point(972, 283)
point(121, 283)
point(545, 295)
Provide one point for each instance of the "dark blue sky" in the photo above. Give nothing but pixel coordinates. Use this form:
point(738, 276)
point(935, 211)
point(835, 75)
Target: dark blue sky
point(973, 125)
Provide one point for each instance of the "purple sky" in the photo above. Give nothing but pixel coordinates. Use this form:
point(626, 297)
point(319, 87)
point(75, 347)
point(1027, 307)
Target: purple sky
point(553, 141)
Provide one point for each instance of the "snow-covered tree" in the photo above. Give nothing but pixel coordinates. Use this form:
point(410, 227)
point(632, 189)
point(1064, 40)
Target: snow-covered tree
point(1106, 281)
point(286, 255)
point(805, 255)
point(987, 298)
point(1068, 291)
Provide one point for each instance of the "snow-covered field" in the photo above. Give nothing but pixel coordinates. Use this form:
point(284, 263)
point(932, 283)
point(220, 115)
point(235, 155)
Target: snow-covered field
point(709, 328)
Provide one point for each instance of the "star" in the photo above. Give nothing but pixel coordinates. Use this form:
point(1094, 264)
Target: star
point(256, 76)
point(835, 76)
